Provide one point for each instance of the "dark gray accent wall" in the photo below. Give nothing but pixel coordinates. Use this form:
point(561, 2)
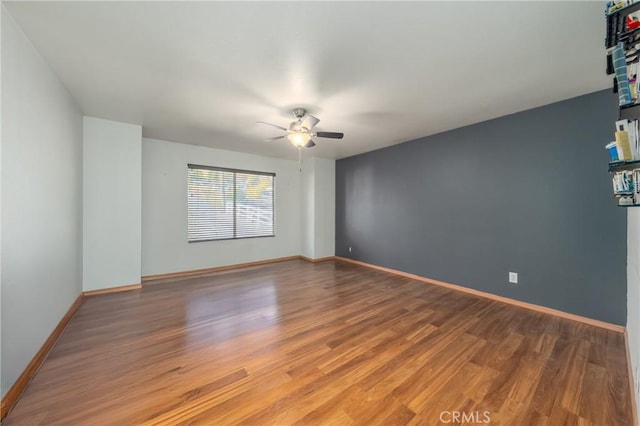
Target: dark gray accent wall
point(527, 193)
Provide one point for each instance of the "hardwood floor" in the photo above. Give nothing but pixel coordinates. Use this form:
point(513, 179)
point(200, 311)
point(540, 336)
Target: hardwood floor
point(326, 343)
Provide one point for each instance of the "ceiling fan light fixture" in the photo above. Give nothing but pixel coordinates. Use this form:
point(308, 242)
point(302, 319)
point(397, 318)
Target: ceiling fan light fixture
point(300, 131)
point(298, 139)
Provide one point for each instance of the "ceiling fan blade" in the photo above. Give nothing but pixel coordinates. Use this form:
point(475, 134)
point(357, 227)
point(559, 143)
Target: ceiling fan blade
point(274, 125)
point(274, 139)
point(310, 121)
point(332, 135)
point(310, 144)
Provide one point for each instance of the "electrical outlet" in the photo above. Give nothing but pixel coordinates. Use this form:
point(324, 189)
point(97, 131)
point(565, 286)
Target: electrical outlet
point(349, 249)
point(513, 277)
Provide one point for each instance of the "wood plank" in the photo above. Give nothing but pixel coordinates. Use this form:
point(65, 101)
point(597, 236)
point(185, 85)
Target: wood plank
point(13, 394)
point(331, 342)
point(514, 302)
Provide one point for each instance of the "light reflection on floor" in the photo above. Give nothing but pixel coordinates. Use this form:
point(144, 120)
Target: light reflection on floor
point(256, 309)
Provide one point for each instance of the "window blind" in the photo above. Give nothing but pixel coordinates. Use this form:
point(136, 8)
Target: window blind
point(225, 203)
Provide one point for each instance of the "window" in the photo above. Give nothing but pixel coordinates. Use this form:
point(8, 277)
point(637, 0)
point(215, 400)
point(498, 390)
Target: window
point(226, 204)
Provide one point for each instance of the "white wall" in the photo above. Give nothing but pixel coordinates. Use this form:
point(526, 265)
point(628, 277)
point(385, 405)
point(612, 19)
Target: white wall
point(164, 209)
point(2, 391)
point(318, 207)
point(112, 204)
point(307, 197)
point(633, 292)
point(325, 208)
point(41, 201)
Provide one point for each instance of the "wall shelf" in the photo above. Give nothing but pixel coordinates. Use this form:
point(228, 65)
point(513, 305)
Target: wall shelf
point(618, 166)
point(625, 173)
point(616, 25)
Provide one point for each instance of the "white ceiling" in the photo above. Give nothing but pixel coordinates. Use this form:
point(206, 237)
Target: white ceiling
point(381, 72)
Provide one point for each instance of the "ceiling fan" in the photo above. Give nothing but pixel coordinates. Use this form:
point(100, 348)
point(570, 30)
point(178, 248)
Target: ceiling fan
point(300, 132)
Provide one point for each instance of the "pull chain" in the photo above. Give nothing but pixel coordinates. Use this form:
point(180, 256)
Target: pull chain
point(300, 159)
